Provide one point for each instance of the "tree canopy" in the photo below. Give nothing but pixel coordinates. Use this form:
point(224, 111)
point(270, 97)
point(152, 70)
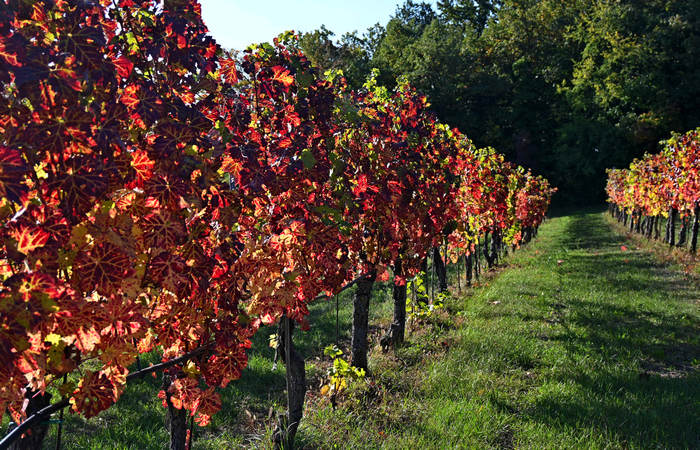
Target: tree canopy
point(568, 88)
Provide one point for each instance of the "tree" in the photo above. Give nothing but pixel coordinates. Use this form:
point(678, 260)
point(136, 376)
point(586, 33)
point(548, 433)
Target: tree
point(404, 28)
point(351, 54)
point(631, 76)
point(474, 13)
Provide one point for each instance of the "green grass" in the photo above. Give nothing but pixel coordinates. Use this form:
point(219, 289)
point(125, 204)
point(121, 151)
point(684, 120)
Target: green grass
point(576, 344)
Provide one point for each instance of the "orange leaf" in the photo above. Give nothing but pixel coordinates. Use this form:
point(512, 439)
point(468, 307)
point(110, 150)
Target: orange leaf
point(383, 276)
point(181, 42)
point(129, 97)
point(282, 75)
point(11, 58)
point(87, 339)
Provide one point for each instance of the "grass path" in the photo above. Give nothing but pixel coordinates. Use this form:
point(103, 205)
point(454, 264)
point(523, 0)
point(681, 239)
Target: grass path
point(578, 343)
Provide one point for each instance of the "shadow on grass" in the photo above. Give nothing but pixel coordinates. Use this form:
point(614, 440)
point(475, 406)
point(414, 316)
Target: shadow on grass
point(586, 230)
point(565, 211)
point(642, 413)
point(629, 271)
point(643, 383)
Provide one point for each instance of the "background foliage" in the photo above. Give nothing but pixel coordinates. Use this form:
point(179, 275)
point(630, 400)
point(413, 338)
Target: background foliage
point(567, 88)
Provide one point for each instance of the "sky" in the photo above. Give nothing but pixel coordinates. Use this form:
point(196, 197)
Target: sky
point(239, 23)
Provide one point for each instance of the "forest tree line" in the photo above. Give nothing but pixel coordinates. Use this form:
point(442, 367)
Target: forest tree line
point(568, 88)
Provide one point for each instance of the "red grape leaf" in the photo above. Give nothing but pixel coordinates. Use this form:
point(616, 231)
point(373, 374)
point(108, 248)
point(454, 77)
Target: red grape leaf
point(224, 367)
point(12, 173)
point(87, 339)
point(129, 96)
point(94, 394)
point(206, 405)
point(11, 58)
point(167, 270)
point(161, 230)
point(143, 166)
point(124, 66)
point(228, 71)
point(30, 238)
point(117, 353)
point(102, 268)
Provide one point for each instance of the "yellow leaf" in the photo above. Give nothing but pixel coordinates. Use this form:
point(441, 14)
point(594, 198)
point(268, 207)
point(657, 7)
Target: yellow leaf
point(191, 369)
point(53, 339)
point(274, 341)
point(40, 172)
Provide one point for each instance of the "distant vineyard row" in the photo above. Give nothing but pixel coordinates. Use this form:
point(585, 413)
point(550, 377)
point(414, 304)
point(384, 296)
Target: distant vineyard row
point(662, 186)
point(159, 193)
